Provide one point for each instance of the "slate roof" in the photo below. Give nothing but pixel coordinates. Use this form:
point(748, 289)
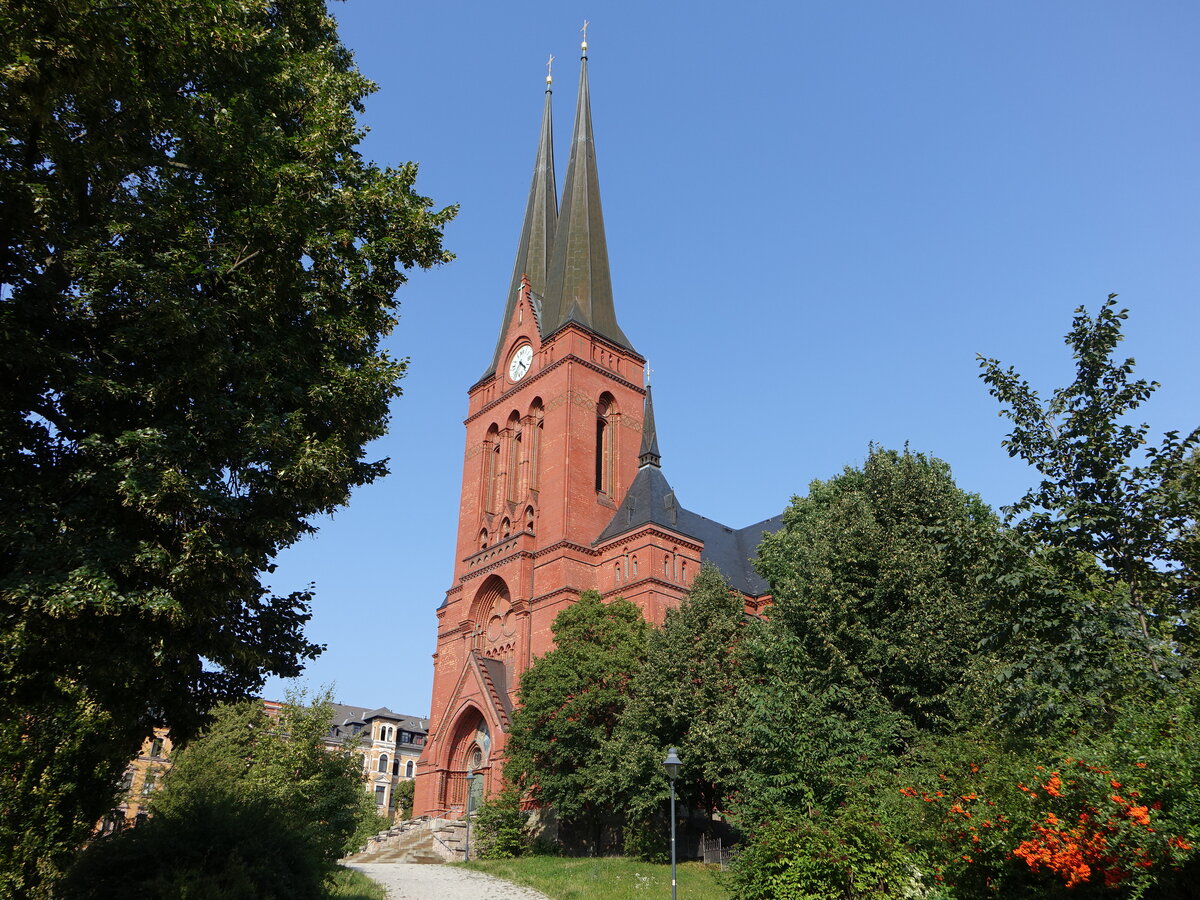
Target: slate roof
point(651, 501)
point(346, 717)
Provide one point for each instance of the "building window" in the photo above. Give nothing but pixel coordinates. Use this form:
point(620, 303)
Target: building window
point(603, 444)
point(535, 441)
point(381, 795)
point(505, 529)
point(127, 781)
point(491, 454)
point(396, 766)
point(148, 783)
point(156, 747)
point(529, 519)
point(635, 567)
point(383, 762)
point(483, 539)
point(408, 769)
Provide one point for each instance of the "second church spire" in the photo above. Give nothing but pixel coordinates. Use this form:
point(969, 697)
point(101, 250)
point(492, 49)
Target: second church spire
point(578, 284)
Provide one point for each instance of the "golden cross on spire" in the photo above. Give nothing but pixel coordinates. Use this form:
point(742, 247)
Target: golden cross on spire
point(583, 46)
point(549, 65)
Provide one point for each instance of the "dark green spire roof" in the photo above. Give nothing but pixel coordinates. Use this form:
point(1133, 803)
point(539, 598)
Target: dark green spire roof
point(579, 287)
point(649, 455)
point(537, 233)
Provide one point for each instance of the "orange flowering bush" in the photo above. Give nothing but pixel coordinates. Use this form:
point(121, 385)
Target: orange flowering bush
point(1000, 825)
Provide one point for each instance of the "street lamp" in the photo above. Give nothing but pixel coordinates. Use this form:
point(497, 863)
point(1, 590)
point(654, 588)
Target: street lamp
point(671, 766)
point(471, 776)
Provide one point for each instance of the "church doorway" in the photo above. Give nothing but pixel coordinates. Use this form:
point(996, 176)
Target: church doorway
point(470, 753)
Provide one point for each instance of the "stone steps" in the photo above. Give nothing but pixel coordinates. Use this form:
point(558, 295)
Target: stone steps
point(421, 840)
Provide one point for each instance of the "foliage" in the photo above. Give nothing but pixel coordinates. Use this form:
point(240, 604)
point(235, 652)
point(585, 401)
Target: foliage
point(684, 695)
point(348, 884)
point(196, 271)
point(255, 808)
point(604, 878)
point(878, 579)
point(1106, 493)
point(402, 798)
point(570, 702)
point(798, 857)
point(1105, 813)
point(501, 827)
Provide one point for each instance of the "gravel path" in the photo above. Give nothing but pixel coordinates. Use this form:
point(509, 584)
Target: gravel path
point(414, 881)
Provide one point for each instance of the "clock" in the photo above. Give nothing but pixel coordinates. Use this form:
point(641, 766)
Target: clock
point(521, 360)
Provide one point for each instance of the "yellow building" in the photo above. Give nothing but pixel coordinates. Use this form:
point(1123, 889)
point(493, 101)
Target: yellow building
point(391, 744)
point(142, 778)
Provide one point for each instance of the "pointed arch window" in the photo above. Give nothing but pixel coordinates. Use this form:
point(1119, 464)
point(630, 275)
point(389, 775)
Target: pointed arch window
point(529, 519)
point(605, 433)
point(536, 417)
point(491, 472)
point(513, 474)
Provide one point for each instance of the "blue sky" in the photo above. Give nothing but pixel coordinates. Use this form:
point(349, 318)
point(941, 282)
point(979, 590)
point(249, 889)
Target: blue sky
point(817, 215)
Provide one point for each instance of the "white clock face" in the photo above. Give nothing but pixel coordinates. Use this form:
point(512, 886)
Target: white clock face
point(520, 363)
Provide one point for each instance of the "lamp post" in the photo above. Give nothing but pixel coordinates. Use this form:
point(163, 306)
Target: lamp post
point(671, 766)
point(467, 806)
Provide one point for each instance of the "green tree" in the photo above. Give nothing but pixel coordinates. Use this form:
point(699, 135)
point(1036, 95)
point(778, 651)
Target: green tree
point(879, 578)
point(571, 700)
point(685, 695)
point(196, 271)
point(1106, 493)
point(255, 807)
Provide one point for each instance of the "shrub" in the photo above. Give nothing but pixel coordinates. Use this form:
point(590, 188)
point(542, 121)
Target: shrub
point(502, 827)
point(796, 857)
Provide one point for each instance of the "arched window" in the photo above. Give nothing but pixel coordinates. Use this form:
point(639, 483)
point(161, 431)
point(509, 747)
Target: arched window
point(483, 539)
point(616, 573)
point(383, 762)
point(491, 463)
point(408, 769)
point(396, 766)
point(513, 475)
point(604, 444)
point(505, 528)
point(635, 566)
point(536, 415)
point(666, 565)
point(529, 519)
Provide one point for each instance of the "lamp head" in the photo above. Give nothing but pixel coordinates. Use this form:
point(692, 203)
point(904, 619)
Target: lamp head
point(671, 764)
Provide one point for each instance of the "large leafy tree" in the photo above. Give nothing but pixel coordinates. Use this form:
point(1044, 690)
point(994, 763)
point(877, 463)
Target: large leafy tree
point(686, 695)
point(879, 578)
point(571, 701)
point(1107, 495)
point(256, 806)
point(196, 271)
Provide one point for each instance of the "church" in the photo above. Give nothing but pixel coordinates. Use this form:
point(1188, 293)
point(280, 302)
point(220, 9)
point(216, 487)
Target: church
point(563, 487)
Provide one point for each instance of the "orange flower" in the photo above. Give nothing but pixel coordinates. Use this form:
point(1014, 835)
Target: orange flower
point(1053, 787)
point(1139, 814)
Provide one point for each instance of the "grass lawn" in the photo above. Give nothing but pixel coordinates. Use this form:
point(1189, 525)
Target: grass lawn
point(351, 885)
point(604, 878)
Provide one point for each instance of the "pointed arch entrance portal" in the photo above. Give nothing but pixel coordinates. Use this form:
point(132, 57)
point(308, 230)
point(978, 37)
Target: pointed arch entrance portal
point(470, 751)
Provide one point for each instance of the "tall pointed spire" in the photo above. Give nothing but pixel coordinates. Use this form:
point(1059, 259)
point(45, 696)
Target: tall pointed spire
point(649, 455)
point(579, 286)
point(537, 232)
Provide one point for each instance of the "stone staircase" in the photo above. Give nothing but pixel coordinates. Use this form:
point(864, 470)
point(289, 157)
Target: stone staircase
point(419, 840)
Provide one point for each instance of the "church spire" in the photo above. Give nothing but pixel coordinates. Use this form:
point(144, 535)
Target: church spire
point(537, 232)
point(578, 286)
point(649, 455)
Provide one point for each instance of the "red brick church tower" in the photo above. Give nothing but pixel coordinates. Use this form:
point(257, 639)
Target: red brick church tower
point(562, 484)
